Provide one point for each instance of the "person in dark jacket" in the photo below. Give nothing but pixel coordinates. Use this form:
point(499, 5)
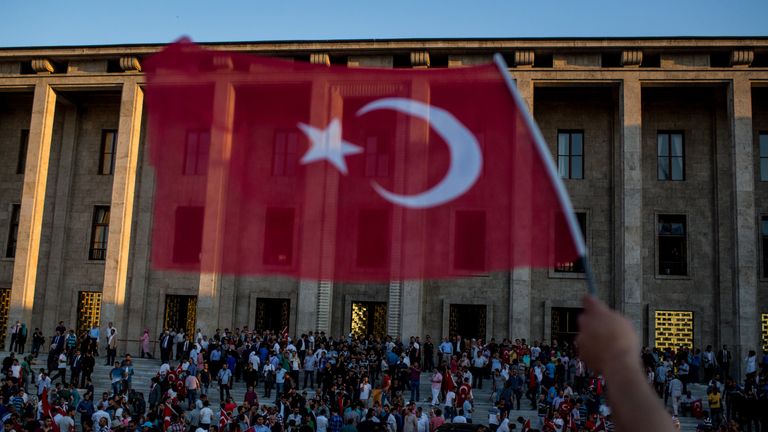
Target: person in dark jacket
point(89, 362)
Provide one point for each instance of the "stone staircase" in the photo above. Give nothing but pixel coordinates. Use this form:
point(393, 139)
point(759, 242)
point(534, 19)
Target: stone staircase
point(145, 369)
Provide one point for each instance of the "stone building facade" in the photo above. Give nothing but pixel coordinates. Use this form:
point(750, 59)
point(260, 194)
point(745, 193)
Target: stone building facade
point(663, 144)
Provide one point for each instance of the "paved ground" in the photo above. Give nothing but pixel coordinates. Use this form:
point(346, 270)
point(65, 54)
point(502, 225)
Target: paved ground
point(145, 369)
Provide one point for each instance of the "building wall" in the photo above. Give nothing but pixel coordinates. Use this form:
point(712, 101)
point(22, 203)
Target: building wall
point(578, 84)
point(15, 111)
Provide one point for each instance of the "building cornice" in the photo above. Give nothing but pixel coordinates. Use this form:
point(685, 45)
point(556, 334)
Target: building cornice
point(405, 46)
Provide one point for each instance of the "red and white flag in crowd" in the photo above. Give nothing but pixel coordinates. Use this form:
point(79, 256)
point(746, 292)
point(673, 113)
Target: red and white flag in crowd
point(224, 420)
point(266, 166)
point(46, 408)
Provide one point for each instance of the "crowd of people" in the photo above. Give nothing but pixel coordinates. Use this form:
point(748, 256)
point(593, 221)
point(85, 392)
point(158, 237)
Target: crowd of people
point(355, 383)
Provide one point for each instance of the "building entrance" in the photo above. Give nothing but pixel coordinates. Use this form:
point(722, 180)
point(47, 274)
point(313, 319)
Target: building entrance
point(565, 324)
point(273, 314)
point(181, 313)
point(369, 318)
point(468, 321)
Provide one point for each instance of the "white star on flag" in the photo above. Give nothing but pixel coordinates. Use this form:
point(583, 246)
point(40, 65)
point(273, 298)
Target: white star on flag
point(327, 144)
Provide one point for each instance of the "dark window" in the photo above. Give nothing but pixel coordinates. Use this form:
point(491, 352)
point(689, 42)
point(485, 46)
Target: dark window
point(671, 156)
point(376, 158)
point(21, 162)
point(570, 154)
point(764, 235)
point(286, 153)
point(196, 151)
point(373, 238)
point(13, 231)
point(188, 235)
point(469, 240)
point(278, 236)
point(99, 233)
point(764, 156)
point(107, 152)
point(672, 239)
point(576, 266)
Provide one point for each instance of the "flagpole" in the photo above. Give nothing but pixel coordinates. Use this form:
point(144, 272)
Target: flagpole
point(562, 194)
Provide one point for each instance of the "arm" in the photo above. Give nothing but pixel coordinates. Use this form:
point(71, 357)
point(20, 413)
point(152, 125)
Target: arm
point(608, 343)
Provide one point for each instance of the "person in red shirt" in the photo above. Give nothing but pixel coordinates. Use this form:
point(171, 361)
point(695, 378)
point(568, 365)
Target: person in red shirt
point(448, 382)
point(436, 419)
point(386, 383)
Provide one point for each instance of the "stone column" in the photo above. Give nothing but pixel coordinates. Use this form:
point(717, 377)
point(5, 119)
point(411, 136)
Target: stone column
point(121, 210)
point(52, 310)
point(412, 306)
point(520, 278)
point(209, 289)
point(315, 297)
point(631, 212)
point(32, 204)
point(745, 274)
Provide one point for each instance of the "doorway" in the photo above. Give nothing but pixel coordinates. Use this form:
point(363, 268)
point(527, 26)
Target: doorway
point(468, 321)
point(181, 313)
point(565, 324)
point(273, 314)
point(369, 319)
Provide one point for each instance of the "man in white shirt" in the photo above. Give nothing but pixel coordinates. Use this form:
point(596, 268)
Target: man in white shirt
point(504, 425)
point(365, 392)
point(322, 422)
point(422, 420)
point(206, 415)
point(67, 422)
point(450, 400)
point(98, 415)
point(459, 418)
point(254, 360)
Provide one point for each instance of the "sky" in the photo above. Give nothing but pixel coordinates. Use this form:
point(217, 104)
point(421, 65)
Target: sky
point(100, 22)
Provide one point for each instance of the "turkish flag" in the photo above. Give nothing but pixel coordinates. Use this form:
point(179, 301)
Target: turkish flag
point(266, 166)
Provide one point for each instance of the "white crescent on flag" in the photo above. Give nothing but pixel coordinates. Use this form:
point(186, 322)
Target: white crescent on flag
point(466, 157)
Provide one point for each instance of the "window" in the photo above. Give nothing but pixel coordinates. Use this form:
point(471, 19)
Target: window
point(672, 243)
point(278, 236)
point(764, 156)
point(21, 162)
point(376, 158)
point(373, 238)
point(107, 153)
point(99, 233)
point(570, 154)
point(13, 231)
point(671, 158)
point(764, 237)
point(196, 151)
point(188, 234)
point(285, 156)
point(469, 241)
point(578, 265)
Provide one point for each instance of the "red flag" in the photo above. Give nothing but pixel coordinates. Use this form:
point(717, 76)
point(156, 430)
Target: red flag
point(47, 412)
point(223, 420)
point(270, 167)
point(167, 411)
